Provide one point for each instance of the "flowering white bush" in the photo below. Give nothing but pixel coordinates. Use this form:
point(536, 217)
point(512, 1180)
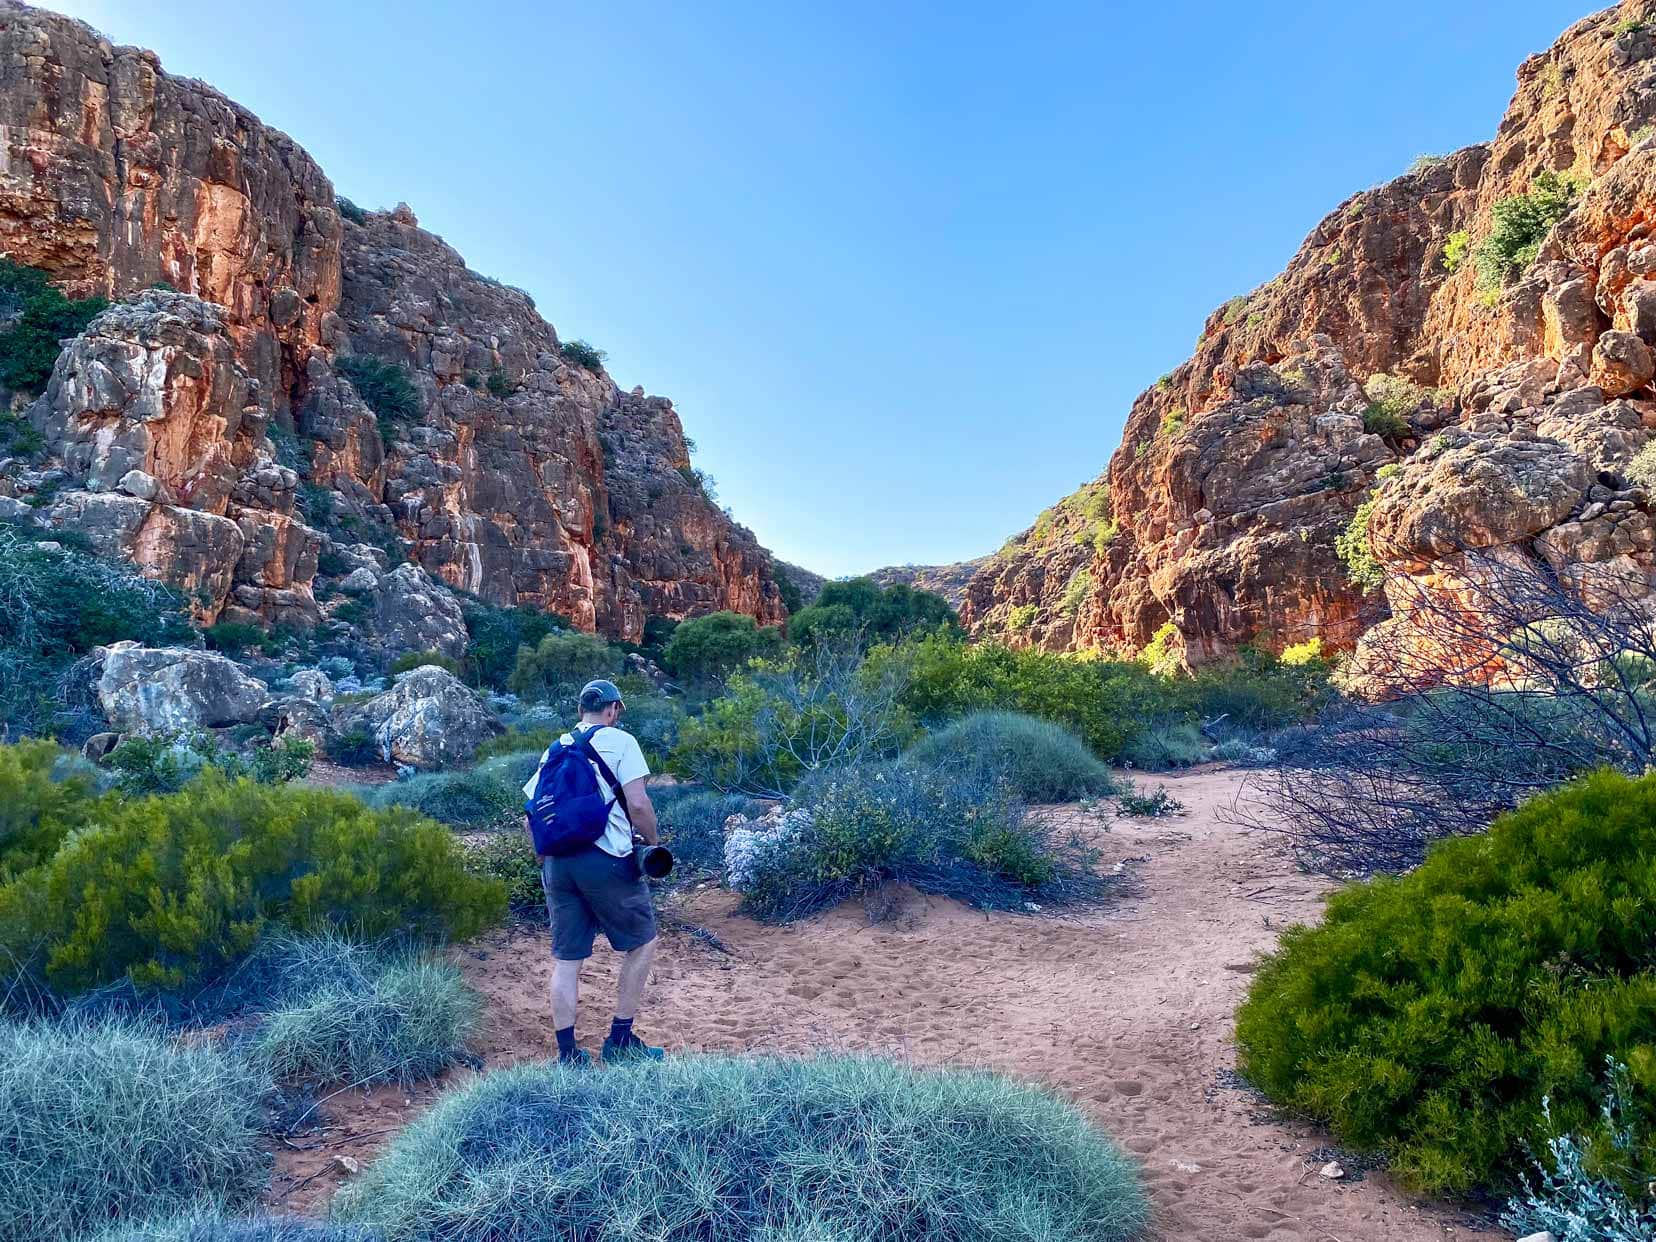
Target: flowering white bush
point(749, 843)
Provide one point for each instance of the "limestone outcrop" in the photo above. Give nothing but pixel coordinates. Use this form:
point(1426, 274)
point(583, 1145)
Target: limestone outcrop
point(167, 690)
point(208, 427)
point(429, 719)
point(1218, 514)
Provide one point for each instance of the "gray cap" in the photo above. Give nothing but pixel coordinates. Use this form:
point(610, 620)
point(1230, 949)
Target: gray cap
point(597, 694)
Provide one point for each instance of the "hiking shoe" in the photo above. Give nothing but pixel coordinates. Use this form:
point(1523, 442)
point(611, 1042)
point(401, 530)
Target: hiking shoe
point(579, 1059)
point(629, 1049)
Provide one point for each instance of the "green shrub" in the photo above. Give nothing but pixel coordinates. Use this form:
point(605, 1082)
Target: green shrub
point(233, 637)
point(860, 606)
point(1352, 544)
point(792, 599)
point(103, 1122)
point(560, 664)
point(777, 724)
point(1107, 702)
point(729, 1150)
point(1259, 692)
point(1519, 224)
point(29, 347)
point(1076, 591)
point(384, 387)
point(351, 1014)
point(1172, 422)
point(1164, 653)
point(1456, 249)
point(506, 858)
point(1022, 616)
point(157, 763)
point(69, 601)
point(1164, 745)
point(354, 748)
point(499, 384)
point(1378, 422)
point(350, 210)
point(170, 889)
point(42, 799)
point(467, 799)
point(706, 650)
point(283, 760)
point(497, 633)
point(1152, 805)
point(1429, 1016)
point(1039, 760)
point(583, 354)
point(961, 835)
point(410, 660)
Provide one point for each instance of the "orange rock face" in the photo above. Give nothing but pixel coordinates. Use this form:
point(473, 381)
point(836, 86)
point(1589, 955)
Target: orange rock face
point(188, 423)
point(1238, 471)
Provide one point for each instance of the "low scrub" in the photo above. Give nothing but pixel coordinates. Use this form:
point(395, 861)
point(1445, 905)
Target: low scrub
point(728, 1150)
point(160, 763)
point(692, 822)
point(480, 797)
point(860, 827)
point(1176, 744)
point(1453, 1017)
point(558, 666)
point(1152, 805)
point(170, 889)
point(583, 354)
point(59, 604)
point(506, 858)
point(384, 387)
point(44, 795)
point(349, 1013)
point(103, 1122)
point(1583, 1195)
point(497, 633)
point(214, 1227)
point(1040, 761)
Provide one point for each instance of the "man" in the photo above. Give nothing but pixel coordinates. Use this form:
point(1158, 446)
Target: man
point(602, 886)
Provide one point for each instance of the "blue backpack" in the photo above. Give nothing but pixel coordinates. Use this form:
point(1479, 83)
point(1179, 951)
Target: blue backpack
point(569, 812)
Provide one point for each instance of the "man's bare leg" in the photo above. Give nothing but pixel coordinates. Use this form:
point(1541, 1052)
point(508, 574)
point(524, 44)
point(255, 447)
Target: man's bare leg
point(566, 992)
point(635, 972)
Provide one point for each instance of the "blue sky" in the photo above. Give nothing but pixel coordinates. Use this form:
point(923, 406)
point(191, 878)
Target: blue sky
point(902, 267)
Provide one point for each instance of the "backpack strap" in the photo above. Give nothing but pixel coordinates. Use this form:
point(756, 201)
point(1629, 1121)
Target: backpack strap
point(584, 742)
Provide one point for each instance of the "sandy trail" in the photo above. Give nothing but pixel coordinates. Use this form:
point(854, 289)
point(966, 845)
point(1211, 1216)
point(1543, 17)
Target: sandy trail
point(1127, 1011)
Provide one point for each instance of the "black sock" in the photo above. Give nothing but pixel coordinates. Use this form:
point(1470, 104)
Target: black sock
point(620, 1030)
point(566, 1041)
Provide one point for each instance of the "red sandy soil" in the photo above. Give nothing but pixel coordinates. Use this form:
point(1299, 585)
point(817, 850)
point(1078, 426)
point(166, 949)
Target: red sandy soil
point(1126, 1010)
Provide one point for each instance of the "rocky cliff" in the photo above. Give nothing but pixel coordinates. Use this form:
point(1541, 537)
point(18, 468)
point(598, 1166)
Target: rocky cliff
point(226, 425)
point(1511, 402)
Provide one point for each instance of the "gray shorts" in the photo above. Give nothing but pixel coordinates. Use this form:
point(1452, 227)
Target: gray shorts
point(592, 890)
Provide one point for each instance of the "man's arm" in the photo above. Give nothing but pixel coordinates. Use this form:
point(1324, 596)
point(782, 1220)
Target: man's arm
point(642, 811)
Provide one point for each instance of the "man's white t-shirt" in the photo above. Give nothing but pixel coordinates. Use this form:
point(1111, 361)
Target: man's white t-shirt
point(621, 751)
